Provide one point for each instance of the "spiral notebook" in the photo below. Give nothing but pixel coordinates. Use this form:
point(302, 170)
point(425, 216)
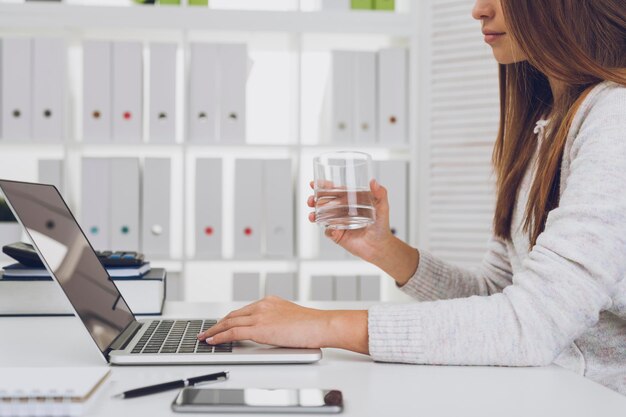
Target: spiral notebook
point(49, 391)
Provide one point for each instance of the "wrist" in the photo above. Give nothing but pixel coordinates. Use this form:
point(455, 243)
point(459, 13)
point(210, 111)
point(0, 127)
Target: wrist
point(347, 329)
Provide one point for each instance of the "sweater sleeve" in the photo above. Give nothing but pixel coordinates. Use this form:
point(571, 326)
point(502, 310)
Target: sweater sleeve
point(438, 280)
point(565, 282)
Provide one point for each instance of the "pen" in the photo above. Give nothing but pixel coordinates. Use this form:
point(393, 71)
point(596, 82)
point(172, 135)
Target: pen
point(166, 386)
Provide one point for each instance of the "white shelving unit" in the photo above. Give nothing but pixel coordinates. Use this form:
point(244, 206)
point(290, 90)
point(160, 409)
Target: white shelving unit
point(299, 33)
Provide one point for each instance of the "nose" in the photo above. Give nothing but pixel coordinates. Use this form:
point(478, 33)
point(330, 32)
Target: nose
point(483, 9)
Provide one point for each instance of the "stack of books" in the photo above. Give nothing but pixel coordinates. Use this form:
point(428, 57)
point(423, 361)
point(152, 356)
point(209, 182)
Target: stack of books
point(28, 291)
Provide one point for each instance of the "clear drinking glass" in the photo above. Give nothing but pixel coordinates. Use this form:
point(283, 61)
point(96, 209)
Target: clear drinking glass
point(342, 190)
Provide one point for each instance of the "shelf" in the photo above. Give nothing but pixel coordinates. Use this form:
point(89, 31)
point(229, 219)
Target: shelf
point(67, 16)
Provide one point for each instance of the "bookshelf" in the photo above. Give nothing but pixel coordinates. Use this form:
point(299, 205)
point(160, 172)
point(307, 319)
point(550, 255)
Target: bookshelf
point(297, 35)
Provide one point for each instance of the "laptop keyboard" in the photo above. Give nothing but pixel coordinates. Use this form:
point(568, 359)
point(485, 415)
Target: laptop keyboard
point(178, 336)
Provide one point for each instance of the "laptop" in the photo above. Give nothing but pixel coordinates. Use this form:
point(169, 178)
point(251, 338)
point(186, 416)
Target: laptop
point(118, 335)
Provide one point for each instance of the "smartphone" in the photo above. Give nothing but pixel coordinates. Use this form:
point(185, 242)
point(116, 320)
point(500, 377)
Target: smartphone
point(258, 400)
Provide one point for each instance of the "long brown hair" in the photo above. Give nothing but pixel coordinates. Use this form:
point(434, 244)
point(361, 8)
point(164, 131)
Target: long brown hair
point(580, 43)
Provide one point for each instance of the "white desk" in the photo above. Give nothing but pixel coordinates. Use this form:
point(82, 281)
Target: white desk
point(370, 389)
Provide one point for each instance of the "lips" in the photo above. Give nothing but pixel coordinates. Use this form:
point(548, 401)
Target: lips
point(492, 36)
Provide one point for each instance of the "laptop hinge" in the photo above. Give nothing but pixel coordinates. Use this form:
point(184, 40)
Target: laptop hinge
point(125, 337)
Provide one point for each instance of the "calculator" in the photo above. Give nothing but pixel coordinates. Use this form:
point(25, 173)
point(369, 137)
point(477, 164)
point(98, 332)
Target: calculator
point(28, 256)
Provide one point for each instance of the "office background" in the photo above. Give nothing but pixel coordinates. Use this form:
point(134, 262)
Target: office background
point(145, 167)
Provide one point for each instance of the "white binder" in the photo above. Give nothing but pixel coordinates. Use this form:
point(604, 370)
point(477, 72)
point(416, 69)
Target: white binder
point(203, 114)
point(394, 176)
point(124, 204)
point(208, 216)
point(369, 288)
point(95, 198)
point(49, 86)
point(322, 288)
point(246, 286)
point(97, 91)
point(163, 92)
point(127, 92)
point(233, 64)
point(15, 88)
point(51, 172)
point(155, 229)
point(342, 91)
point(281, 284)
point(279, 208)
point(346, 288)
point(392, 95)
point(248, 207)
point(365, 97)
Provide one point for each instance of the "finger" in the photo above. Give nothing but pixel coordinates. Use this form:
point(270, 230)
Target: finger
point(310, 201)
point(227, 324)
point(312, 217)
point(231, 335)
point(312, 185)
point(242, 312)
point(334, 235)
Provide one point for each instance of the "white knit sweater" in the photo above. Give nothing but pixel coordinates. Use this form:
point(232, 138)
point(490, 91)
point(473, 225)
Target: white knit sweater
point(563, 302)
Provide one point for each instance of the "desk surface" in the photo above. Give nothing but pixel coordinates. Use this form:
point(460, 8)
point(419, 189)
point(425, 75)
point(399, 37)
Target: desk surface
point(370, 389)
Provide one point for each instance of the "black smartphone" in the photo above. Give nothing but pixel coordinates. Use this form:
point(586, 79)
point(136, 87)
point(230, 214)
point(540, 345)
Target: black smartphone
point(258, 400)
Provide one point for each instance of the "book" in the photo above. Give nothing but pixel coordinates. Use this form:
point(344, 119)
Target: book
point(49, 391)
point(19, 270)
point(41, 296)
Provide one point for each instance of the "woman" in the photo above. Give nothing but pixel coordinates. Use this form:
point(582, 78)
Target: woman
point(551, 286)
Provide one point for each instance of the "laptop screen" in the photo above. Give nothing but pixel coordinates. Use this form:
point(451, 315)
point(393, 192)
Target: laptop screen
point(68, 255)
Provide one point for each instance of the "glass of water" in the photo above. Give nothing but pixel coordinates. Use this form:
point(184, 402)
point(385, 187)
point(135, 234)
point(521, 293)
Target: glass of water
point(342, 190)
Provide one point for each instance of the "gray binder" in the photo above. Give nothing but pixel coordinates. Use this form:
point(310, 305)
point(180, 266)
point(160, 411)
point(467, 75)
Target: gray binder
point(394, 176)
point(346, 288)
point(51, 172)
point(203, 112)
point(95, 197)
point(281, 284)
point(124, 204)
point(156, 207)
point(163, 92)
point(208, 216)
point(329, 249)
point(322, 288)
point(248, 207)
point(279, 208)
point(369, 288)
point(97, 104)
point(246, 286)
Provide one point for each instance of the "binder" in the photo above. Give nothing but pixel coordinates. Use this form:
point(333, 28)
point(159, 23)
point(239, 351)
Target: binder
point(392, 95)
point(322, 288)
point(248, 207)
point(384, 4)
point(51, 172)
point(155, 232)
point(329, 249)
point(203, 115)
point(124, 204)
point(97, 91)
point(16, 89)
point(246, 286)
point(362, 4)
point(279, 208)
point(394, 176)
point(365, 100)
point(208, 213)
point(127, 92)
point(233, 70)
point(369, 288)
point(95, 201)
point(346, 288)
point(281, 284)
point(49, 86)
point(163, 92)
point(342, 104)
